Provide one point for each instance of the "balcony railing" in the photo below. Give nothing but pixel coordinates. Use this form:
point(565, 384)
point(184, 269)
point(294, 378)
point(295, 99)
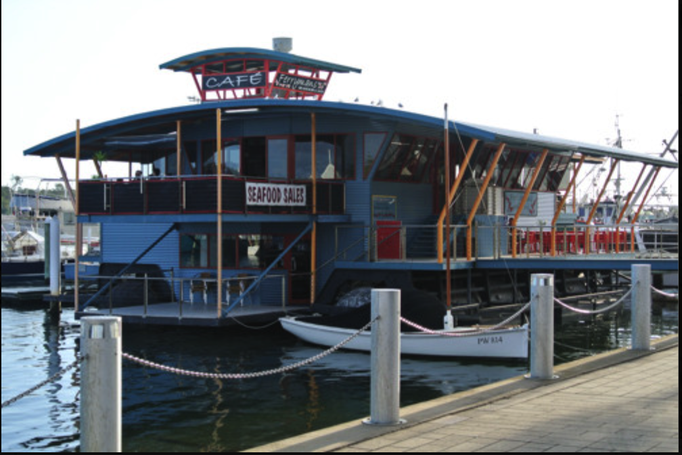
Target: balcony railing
point(197, 195)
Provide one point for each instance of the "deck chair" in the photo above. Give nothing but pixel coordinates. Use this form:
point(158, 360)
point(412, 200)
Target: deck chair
point(199, 284)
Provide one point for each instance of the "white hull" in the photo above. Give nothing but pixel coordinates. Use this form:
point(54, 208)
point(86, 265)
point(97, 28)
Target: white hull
point(501, 343)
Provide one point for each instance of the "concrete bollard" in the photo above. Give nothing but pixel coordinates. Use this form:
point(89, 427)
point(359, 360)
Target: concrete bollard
point(641, 307)
point(542, 326)
point(55, 257)
point(385, 358)
point(100, 403)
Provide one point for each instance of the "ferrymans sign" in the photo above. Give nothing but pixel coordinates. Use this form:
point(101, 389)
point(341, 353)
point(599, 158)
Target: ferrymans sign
point(301, 84)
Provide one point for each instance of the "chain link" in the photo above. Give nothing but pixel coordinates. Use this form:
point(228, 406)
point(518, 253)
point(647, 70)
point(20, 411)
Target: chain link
point(258, 374)
point(52, 378)
point(467, 333)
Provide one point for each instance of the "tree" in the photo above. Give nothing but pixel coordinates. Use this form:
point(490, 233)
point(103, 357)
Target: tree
point(6, 198)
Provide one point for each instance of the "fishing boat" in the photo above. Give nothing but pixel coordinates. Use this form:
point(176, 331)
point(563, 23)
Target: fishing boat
point(260, 198)
point(457, 342)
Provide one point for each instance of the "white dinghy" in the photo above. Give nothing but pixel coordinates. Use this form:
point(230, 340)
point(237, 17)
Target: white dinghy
point(458, 342)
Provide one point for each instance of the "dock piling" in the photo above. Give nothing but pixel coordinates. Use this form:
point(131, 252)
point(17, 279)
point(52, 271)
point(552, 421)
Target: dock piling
point(385, 359)
point(641, 307)
point(100, 403)
point(542, 326)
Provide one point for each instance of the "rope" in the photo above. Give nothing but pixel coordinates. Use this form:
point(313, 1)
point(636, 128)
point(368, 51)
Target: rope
point(602, 310)
point(468, 333)
point(665, 294)
point(58, 374)
point(259, 374)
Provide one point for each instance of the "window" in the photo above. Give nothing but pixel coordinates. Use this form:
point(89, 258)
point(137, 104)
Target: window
point(244, 251)
point(232, 157)
point(210, 160)
point(194, 250)
point(278, 158)
point(254, 156)
point(335, 156)
point(407, 159)
point(192, 157)
point(372, 144)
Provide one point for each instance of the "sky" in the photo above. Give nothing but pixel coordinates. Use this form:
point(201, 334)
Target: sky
point(569, 69)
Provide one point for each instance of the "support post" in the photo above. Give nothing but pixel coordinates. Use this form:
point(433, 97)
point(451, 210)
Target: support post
point(313, 237)
point(100, 402)
point(76, 209)
point(524, 199)
point(542, 326)
point(219, 211)
point(641, 307)
point(572, 184)
point(385, 359)
point(479, 198)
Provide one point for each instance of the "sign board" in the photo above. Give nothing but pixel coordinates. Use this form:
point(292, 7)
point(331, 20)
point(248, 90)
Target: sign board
point(299, 83)
point(512, 201)
point(234, 81)
point(275, 194)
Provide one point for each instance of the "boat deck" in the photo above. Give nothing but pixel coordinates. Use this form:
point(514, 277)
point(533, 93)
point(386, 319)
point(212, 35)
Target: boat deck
point(197, 314)
point(603, 261)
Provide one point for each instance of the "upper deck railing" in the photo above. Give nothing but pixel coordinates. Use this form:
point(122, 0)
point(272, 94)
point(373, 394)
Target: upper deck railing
point(195, 195)
point(418, 242)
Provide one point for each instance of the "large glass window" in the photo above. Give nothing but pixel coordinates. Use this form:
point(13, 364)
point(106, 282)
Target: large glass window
point(209, 157)
point(254, 156)
point(232, 157)
point(194, 250)
point(407, 159)
point(191, 156)
point(278, 158)
point(334, 156)
point(372, 145)
point(399, 147)
point(244, 251)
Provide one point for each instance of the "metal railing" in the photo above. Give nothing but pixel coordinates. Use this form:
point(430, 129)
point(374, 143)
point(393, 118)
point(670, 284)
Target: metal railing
point(188, 293)
point(372, 243)
point(198, 194)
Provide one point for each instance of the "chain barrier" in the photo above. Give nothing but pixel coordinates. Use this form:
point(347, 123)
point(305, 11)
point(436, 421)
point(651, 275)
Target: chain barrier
point(52, 378)
point(601, 310)
point(259, 374)
point(468, 333)
point(665, 294)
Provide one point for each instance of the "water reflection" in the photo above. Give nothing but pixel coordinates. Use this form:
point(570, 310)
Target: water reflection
point(165, 412)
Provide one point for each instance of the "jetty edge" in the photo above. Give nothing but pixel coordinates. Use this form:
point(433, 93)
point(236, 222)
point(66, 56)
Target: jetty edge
point(454, 406)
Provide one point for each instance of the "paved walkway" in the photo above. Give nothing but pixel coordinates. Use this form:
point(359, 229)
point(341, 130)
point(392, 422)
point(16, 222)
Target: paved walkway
point(618, 401)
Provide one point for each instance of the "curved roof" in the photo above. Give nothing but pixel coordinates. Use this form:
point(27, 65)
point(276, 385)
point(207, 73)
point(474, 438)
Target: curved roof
point(186, 62)
point(158, 127)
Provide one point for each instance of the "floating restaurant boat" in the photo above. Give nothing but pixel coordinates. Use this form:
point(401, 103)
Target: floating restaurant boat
point(263, 198)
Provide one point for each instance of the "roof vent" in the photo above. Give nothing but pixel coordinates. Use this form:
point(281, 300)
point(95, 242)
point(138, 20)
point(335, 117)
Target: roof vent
point(281, 44)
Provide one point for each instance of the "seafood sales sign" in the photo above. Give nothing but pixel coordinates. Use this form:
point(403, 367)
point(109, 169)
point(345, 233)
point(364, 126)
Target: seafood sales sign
point(274, 194)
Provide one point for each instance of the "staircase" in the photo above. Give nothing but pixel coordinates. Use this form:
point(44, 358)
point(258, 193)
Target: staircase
point(421, 242)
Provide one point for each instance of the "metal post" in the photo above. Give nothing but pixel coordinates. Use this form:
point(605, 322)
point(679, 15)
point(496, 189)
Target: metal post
point(100, 402)
point(542, 326)
point(641, 306)
point(385, 358)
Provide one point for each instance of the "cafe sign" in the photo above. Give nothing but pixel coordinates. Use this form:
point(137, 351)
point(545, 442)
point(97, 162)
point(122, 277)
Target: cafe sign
point(275, 194)
point(234, 81)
